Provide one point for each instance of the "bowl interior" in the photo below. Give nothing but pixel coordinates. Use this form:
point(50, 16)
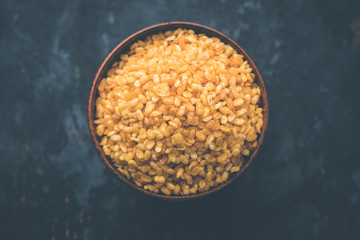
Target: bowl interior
point(123, 47)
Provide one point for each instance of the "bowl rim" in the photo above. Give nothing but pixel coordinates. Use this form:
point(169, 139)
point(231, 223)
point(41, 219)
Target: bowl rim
point(123, 46)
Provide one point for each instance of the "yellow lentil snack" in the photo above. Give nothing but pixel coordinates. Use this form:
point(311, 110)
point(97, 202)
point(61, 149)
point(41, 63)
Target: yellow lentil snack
point(179, 112)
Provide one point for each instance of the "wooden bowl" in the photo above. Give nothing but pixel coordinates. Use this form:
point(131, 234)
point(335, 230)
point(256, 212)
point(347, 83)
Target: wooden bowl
point(122, 48)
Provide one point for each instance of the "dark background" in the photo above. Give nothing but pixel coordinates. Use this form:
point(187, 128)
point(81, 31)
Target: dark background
point(304, 184)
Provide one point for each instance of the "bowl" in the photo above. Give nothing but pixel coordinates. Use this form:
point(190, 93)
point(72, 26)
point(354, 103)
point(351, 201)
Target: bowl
point(122, 48)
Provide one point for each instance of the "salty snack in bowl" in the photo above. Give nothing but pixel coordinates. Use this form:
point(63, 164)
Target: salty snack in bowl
point(179, 112)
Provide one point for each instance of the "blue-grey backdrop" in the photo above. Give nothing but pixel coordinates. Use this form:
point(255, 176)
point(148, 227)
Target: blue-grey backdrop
point(304, 184)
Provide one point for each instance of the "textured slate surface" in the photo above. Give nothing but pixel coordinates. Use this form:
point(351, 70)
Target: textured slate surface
point(304, 184)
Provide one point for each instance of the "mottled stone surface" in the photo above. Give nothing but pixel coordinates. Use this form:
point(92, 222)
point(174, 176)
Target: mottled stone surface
point(304, 184)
